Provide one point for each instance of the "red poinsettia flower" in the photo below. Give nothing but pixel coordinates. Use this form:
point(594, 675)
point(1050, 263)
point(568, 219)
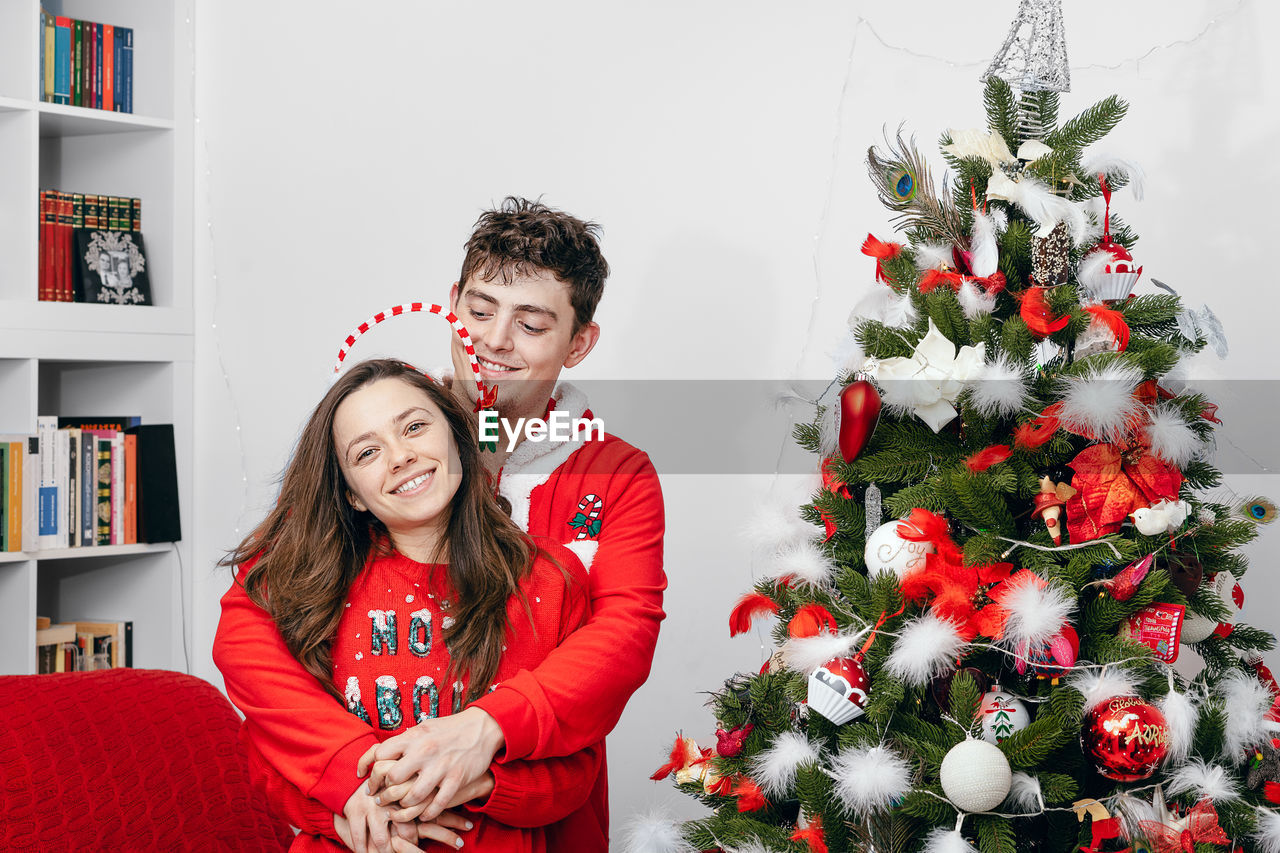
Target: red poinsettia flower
point(969, 597)
point(1111, 483)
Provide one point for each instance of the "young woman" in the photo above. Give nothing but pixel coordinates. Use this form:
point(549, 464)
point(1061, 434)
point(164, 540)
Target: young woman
point(399, 585)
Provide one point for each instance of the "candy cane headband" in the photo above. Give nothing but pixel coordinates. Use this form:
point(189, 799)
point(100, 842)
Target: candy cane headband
point(485, 396)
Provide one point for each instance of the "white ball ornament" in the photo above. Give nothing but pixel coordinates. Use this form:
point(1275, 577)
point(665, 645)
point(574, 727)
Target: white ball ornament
point(1196, 628)
point(975, 776)
point(1002, 715)
point(886, 551)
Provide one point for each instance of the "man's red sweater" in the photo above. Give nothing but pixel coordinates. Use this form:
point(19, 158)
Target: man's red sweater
point(391, 663)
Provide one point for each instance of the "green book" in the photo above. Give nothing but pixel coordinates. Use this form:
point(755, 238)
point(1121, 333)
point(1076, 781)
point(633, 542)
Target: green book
point(77, 54)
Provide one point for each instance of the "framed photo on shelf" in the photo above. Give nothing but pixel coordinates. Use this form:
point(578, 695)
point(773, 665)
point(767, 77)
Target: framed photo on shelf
point(112, 268)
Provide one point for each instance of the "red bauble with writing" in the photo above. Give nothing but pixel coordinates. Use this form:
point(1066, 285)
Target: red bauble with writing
point(1126, 738)
point(859, 413)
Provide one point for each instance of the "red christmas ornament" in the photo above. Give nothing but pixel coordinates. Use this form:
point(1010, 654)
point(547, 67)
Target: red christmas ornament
point(838, 689)
point(859, 412)
point(1052, 658)
point(1126, 738)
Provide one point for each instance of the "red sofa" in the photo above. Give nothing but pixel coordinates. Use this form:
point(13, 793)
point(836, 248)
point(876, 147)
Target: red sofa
point(126, 759)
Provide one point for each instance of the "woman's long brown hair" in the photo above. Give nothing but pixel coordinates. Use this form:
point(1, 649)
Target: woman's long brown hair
point(313, 544)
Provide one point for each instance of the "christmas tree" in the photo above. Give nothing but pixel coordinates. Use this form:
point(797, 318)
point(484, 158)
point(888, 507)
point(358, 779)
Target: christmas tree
point(1019, 527)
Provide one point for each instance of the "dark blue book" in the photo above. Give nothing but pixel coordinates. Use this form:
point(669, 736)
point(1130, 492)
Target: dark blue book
point(97, 66)
point(62, 60)
point(124, 37)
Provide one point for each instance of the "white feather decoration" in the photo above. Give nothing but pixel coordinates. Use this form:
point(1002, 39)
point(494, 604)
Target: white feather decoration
point(1000, 389)
point(884, 305)
point(1204, 780)
point(1092, 264)
point(752, 846)
point(870, 779)
point(1040, 203)
point(1025, 794)
point(1181, 713)
point(1111, 166)
point(805, 654)
point(1267, 832)
point(803, 562)
point(1037, 610)
point(1172, 438)
point(1099, 685)
point(933, 256)
point(943, 840)
point(926, 647)
point(1245, 702)
point(774, 768)
point(776, 524)
point(975, 301)
point(982, 241)
point(1100, 401)
point(654, 832)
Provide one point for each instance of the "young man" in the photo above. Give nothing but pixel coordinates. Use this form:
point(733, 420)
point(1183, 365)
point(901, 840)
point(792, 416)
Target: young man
point(530, 282)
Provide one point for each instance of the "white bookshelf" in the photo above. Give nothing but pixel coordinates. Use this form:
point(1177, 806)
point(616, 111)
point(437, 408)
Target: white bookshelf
point(77, 359)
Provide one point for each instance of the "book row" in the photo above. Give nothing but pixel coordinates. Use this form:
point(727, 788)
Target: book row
point(91, 249)
point(86, 64)
point(82, 646)
point(82, 482)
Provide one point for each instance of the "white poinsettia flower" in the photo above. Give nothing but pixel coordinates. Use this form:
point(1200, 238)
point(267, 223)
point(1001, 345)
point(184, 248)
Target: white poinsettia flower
point(929, 381)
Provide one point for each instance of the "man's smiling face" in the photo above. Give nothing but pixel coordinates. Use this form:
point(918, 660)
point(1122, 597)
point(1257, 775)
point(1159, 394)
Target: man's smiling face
point(523, 331)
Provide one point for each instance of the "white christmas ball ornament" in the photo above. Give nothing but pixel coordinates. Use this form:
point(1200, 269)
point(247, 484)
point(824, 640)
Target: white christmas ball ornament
point(975, 776)
point(1002, 715)
point(886, 551)
point(1196, 628)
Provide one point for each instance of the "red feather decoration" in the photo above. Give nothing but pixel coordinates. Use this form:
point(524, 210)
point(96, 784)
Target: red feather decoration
point(988, 456)
point(812, 835)
point(750, 606)
point(1114, 321)
point(1038, 315)
point(1271, 791)
point(933, 278)
point(1037, 433)
point(881, 251)
point(810, 621)
point(676, 762)
point(924, 526)
point(750, 798)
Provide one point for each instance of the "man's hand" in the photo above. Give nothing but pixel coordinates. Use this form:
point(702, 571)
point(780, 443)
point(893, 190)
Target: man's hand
point(446, 755)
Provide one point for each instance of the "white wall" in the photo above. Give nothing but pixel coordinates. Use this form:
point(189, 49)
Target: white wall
point(343, 155)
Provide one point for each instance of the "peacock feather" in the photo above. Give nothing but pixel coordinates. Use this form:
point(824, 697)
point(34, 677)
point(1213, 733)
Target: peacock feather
point(901, 177)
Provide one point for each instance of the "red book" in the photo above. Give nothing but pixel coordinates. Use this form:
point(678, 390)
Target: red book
point(130, 488)
point(42, 292)
point(62, 287)
point(108, 66)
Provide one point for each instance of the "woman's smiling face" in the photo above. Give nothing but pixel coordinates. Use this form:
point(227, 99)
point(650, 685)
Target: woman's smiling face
point(399, 459)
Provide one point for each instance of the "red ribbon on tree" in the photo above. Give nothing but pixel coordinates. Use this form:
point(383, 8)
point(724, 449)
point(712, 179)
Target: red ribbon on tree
point(1201, 828)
